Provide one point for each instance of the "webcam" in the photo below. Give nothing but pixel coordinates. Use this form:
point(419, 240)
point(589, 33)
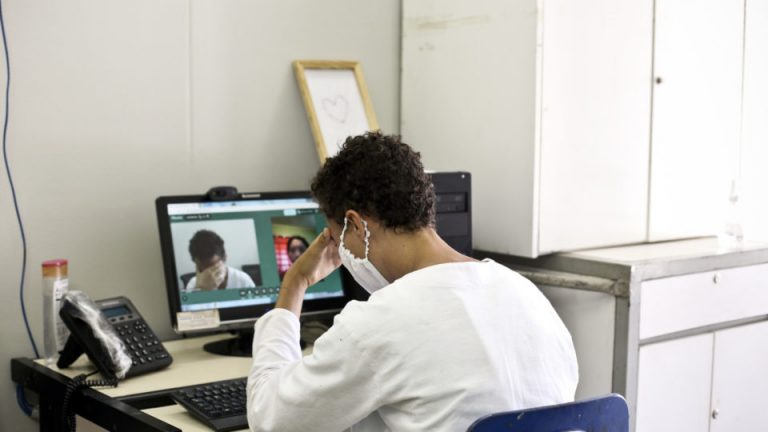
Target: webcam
point(222, 193)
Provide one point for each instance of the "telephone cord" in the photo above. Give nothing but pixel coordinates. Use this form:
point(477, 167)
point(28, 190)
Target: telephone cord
point(76, 383)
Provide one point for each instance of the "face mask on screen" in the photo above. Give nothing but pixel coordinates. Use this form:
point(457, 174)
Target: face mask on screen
point(364, 272)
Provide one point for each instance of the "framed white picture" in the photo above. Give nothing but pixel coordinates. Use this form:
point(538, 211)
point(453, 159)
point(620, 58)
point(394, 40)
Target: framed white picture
point(337, 102)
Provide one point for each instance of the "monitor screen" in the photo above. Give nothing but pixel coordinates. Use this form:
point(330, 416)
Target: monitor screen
point(230, 256)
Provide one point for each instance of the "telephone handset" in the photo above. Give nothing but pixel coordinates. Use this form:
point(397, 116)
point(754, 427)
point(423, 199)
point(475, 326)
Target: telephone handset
point(113, 334)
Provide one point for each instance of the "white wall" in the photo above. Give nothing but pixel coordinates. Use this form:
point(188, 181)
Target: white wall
point(117, 102)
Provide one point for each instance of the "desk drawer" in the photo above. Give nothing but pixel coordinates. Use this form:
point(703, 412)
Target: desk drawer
point(683, 302)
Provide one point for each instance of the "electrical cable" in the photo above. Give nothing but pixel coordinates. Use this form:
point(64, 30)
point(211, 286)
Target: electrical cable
point(20, 398)
point(10, 181)
point(76, 383)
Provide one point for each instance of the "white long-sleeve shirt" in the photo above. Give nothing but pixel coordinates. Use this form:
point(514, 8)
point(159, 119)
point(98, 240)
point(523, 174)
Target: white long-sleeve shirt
point(235, 279)
point(433, 351)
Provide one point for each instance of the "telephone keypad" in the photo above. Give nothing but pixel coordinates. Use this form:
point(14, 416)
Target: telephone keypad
point(142, 345)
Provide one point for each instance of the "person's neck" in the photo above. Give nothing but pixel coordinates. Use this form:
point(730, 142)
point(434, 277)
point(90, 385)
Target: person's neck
point(416, 250)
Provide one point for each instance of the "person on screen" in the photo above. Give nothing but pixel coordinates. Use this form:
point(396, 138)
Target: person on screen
point(443, 339)
point(207, 251)
point(296, 246)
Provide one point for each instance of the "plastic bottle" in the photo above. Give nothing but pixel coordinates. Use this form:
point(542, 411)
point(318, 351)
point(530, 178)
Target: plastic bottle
point(55, 285)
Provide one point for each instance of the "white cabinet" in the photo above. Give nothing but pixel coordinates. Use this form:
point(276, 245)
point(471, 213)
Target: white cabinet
point(547, 104)
point(674, 381)
point(698, 58)
point(740, 379)
point(717, 375)
point(679, 328)
point(593, 145)
point(714, 381)
point(754, 152)
point(584, 124)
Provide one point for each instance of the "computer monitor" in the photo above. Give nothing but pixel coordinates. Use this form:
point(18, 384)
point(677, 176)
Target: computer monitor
point(255, 229)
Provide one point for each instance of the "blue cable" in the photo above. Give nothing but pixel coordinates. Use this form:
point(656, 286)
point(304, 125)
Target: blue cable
point(20, 398)
point(10, 182)
point(23, 404)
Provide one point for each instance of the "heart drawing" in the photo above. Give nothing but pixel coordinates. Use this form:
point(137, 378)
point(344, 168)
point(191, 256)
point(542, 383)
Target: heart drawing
point(336, 108)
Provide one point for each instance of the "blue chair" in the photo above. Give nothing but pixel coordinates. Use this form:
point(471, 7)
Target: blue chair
point(603, 414)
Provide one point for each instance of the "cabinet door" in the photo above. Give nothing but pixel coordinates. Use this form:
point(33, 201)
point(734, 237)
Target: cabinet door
point(696, 110)
point(740, 379)
point(673, 386)
point(595, 116)
point(754, 154)
point(468, 97)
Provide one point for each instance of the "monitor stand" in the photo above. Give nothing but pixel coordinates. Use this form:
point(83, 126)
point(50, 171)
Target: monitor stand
point(238, 346)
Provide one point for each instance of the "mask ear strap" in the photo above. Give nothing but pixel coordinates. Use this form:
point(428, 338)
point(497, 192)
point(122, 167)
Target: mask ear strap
point(343, 230)
point(367, 234)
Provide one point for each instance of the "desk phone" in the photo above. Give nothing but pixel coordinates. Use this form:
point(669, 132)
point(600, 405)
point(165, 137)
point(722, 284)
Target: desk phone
point(141, 344)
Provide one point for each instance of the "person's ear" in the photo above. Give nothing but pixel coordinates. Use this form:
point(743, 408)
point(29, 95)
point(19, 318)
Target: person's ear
point(355, 223)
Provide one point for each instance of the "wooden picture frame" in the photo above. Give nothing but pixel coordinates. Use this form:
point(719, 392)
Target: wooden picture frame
point(336, 100)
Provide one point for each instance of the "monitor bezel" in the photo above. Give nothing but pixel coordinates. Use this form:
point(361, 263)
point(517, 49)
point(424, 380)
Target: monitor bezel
point(235, 317)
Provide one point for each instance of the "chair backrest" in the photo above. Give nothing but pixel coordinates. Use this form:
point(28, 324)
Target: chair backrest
point(603, 414)
point(185, 278)
point(254, 271)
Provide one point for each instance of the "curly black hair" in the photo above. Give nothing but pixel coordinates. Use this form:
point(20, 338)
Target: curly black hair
point(205, 244)
point(377, 175)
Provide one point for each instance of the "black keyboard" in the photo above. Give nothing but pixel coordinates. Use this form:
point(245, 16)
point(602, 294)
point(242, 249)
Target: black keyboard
point(220, 405)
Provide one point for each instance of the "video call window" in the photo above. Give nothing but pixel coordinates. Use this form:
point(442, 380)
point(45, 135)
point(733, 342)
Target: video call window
point(222, 250)
point(235, 254)
point(291, 236)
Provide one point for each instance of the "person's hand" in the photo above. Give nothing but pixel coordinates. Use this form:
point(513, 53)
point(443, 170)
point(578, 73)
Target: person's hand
point(212, 277)
point(317, 262)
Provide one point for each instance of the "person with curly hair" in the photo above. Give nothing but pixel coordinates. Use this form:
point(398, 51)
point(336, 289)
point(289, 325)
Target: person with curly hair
point(443, 339)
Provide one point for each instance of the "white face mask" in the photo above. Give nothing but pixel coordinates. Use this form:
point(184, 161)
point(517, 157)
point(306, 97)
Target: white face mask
point(364, 272)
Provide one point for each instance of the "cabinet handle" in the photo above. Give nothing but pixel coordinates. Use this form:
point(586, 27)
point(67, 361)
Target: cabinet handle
point(717, 278)
point(658, 80)
point(715, 414)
